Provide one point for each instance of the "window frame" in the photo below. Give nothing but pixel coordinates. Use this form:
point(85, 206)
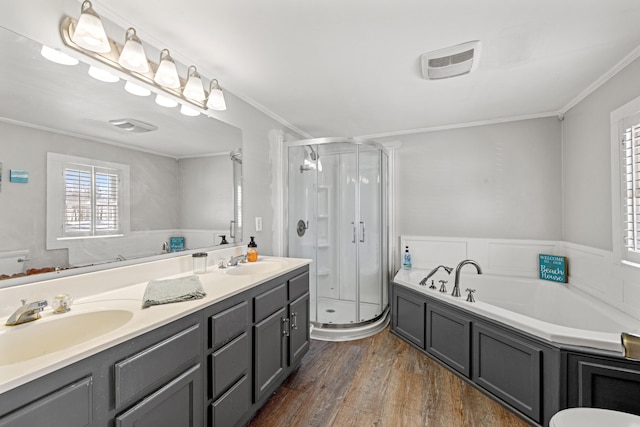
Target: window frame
point(621, 119)
point(57, 164)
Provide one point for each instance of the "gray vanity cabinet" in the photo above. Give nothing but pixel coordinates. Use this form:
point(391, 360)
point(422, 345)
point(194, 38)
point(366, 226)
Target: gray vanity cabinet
point(214, 367)
point(408, 315)
point(449, 338)
point(68, 406)
point(603, 382)
point(281, 333)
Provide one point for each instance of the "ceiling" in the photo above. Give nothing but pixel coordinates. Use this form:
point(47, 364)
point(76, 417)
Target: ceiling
point(351, 67)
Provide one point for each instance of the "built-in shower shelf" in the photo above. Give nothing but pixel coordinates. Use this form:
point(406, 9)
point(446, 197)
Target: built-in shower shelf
point(323, 245)
point(323, 272)
point(323, 216)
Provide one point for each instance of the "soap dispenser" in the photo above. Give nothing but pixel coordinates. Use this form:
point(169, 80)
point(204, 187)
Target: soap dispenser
point(252, 251)
point(406, 259)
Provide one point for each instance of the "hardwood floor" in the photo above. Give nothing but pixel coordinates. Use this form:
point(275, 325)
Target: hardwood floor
point(378, 381)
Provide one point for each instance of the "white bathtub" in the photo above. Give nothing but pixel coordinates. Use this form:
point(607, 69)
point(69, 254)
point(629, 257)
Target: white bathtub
point(552, 311)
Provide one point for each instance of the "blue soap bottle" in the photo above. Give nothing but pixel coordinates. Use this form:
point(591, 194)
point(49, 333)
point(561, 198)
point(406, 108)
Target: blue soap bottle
point(406, 259)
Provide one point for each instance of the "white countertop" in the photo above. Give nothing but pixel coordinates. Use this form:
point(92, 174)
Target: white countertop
point(217, 283)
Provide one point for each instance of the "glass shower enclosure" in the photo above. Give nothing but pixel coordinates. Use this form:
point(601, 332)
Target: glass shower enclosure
point(337, 216)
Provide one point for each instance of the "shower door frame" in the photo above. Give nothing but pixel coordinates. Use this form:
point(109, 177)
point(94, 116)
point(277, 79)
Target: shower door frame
point(387, 211)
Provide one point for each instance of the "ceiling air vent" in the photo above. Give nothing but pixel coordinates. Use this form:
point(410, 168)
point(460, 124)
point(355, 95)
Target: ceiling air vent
point(132, 125)
point(452, 61)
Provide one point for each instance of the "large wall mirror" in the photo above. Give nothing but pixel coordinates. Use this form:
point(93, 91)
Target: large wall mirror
point(175, 187)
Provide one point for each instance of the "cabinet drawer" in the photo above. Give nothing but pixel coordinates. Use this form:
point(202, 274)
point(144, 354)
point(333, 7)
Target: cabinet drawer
point(298, 286)
point(232, 406)
point(139, 374)
point(175, 404)
point(228, 324)
point(69, 406)
point(228, 364)
point(449, 338)
point(269, 302)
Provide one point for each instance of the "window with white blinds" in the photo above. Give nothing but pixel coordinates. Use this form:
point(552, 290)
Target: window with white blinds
point(629, 157)
point(91, 200)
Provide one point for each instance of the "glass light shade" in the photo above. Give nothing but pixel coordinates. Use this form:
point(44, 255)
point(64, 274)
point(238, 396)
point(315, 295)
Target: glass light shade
point(193, 89)
point(54, 55)
point(188, 111)
point(132, 56)
point(167, 73)
point(165, 102)
point(216, 97)
point(89, 32)
point(134, 89)
point(102, 75)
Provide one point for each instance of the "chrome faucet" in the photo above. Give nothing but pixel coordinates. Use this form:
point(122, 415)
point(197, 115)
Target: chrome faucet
point(456, 282)
point(236, 259)
point(165, 247)
point(423, 282)
point(26, 312)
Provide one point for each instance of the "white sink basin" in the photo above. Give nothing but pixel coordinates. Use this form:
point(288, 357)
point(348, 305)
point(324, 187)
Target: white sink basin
point(56, 332)
point(259, 267)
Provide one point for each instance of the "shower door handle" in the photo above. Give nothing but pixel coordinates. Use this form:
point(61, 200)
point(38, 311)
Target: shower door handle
point(353, 225)
point(232, 227)
point(362, 226)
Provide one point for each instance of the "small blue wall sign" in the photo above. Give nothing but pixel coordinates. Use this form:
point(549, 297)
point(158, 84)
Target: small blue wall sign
point(18, 176)
point(176, 244)
point(553, 268)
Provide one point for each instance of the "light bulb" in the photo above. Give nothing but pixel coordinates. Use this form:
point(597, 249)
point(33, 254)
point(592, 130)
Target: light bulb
point(216, 97)
point(132, 56)
point(167, 73)
point(89, 32)
point(102, 75)
point(193, 89)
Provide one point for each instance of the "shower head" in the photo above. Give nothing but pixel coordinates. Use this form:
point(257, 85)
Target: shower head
point(313, 154)
point(236, 155)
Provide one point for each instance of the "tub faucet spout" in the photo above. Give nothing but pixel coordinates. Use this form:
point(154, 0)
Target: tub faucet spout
point(423, 282)
point(456, 282)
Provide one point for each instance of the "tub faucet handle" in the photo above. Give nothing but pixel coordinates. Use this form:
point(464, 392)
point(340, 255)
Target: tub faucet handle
point(443, 288)
point(470, 297)
point(433, 286)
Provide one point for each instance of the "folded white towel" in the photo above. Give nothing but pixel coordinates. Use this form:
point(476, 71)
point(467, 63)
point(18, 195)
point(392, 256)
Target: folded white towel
point(172, 290)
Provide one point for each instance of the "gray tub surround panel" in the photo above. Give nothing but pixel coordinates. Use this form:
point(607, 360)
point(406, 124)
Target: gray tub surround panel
point(517, 370)
point(197, 370)
point(533, 377)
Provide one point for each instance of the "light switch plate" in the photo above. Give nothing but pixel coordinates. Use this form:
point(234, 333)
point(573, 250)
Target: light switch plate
point(258, 223)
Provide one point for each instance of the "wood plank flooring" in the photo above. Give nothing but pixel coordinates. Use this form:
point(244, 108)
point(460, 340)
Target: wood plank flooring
point(378, 381)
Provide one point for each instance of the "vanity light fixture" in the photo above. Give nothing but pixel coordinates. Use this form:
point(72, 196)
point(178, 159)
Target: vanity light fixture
point(130, 59)
point(132, 56)
point(216, 97)
point(89, 32)
point(102, 75)
point(167, 74)
point(193, 89)
point(188, 111)
point(134, 89)
point(59, 57)
point(163, 101)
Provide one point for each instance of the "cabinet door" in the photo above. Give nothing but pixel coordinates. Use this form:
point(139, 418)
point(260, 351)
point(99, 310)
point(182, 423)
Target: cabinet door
point(509, 368)
point(179, 403)
point(269, 352)
point(449, 338)
point(68, 407)
point(604, 383)
point(299, 339)
point(409, 315)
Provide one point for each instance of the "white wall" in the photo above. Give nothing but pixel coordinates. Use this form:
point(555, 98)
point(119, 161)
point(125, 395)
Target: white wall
point(499, 180)
point(586, 167)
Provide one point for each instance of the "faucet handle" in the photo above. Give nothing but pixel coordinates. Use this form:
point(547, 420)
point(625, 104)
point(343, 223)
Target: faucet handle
point(470, 297)
point(443, 288)
point(433, 286)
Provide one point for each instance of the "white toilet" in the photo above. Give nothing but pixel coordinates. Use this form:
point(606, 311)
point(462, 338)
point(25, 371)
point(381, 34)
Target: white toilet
point(593, 417)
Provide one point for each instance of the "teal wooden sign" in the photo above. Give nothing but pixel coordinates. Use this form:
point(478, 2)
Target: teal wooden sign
point(176, 244)
point(553, 268)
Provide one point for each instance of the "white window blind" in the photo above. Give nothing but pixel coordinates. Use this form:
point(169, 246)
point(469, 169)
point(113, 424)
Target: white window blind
point(91, 200)
point(630, 168)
